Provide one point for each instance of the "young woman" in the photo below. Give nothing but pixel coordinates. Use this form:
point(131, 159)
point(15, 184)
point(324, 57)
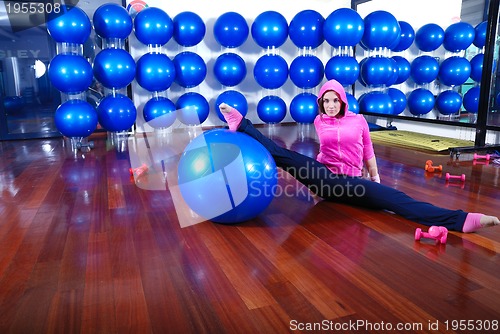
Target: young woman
point(336, 173)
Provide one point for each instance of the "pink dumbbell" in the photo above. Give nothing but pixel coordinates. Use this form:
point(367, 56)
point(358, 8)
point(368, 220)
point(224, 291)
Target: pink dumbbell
point(477, 156)
point(438, 233)
point(459, 177)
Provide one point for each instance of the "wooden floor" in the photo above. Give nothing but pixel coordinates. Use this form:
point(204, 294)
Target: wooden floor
point(86, 249)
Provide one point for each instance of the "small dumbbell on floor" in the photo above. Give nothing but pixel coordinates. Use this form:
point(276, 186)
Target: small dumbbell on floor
point(460, 178)
point(431, 169)
point(81, 145)
point(438, 233)
point(485, 157)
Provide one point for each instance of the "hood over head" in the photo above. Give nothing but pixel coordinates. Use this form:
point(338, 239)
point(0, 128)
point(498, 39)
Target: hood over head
point(333, 85)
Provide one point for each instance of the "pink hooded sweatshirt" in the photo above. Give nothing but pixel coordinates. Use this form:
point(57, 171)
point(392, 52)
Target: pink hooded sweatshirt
point(345, 141)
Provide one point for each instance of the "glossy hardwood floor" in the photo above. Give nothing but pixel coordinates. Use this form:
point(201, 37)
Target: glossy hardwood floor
point(85, 248)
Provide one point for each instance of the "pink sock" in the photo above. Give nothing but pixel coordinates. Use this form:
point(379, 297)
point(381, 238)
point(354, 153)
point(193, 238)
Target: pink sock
point(233, 119)
point(472, 222)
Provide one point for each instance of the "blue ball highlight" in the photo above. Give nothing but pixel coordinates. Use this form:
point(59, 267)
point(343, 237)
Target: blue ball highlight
point(192, 108)
point(233, 98)
point(230, 69)
point(429, 37)
point(114, 68)
point(376, 102)
point(270, 29)
point(112, 21)
point(189, 29)
point(420, 101)
point(344, 69)
point(454, 71)
point(155, 72)
point(116, 113)
point(271, 109)
point(271, 71)
point(71, 25)
point(231, 30)
point(304, 108)
point(152, 26)
point(190, 69)
point(159, 112)
point(448, 102)
point(424, 69)
point(343, 27)
point(306, 71)
point(71, 74)
point(382, 30)
point(306, 29)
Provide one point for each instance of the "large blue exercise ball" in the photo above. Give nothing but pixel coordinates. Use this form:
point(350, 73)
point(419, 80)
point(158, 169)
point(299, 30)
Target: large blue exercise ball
point(382, 30)
point(406, 37)
point(376, 102)
point(424, 69)
point(344, 69)
point(343, 27)
point(230, 69)
point(304, 108)
point(227, 177)
point(429, 37)
point(306, 71)
point(271, 109)
point(271, 71)
point(480, 34)
point(306, 29)
point(155, 72)
point(458, 36)
point(231, 30)
point(116, 113)
point(71, 74)
point(476, 67)
point(403, 69)
point(192, 108)
point(190, 69)
point(352, 102)
point(70, 25)
point(152, 26)
point(420, 101)
point(449, 102)
point(454, 71)
point(378, 71)
point(471, 100)
point(112, 21)
point(233, 98)
point(114, 68)
point(398, 100)
point(75, 118)
point(159, 112)
point(269, 29)
point(189, 29)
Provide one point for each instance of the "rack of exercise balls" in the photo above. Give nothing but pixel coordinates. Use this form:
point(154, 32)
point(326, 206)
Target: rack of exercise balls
point(384, 40)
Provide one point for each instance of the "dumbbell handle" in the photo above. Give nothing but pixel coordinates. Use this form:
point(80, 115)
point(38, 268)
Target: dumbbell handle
point(477, 156)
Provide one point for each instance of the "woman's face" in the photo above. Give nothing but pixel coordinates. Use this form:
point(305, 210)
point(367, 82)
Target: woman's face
point(332, 103)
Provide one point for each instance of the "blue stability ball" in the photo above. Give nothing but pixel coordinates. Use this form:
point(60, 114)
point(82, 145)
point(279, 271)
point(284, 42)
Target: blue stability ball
point(403, 69)
point(424, 69)
point(71, 74)
point(233, 98)
point(429, 37)
point(153, 26)
point(112, 21)
point(270, 71)
point(398, 100)
point(304, 108)
point(270, 29)
point(376, 102)
point(155, 72)
point(190, 69)
point(306, 29)
point(449, 102)
point(230, 69)
point(454, 71)
point(378, 71)
point(352, 103)
point(189, 29)
point(382, 30)
point(114, 68)
point(344, 69)
point(343, 27)
point(13, 104)
point(420, 101)
point(231, 30)
point(70, 25)
point(471, 100)
point(306, 71)
point(458, 36)
point(227, 177)
point(116, 113)
point(159, 112)
point(75, 118)
point(476, 67)
point(406, 37)
point(480, 34)
point(192, 108)
point(271, 109)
